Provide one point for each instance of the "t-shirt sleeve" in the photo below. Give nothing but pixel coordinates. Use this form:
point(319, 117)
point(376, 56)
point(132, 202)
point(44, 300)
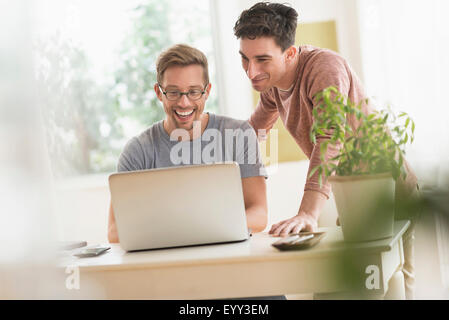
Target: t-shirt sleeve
point(265, 115)
point(248, 153)
point(132, 157)
point(329, 69)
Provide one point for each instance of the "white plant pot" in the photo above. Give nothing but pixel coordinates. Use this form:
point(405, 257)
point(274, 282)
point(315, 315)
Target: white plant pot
point(365, 206)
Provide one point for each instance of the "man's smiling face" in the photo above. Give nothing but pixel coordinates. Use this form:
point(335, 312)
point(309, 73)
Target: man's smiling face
point(263, 61)
point(182, 112)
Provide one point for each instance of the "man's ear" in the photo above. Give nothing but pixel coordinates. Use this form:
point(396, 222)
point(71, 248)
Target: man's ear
point(209, 86)
point(158, 91)
point(290, 53)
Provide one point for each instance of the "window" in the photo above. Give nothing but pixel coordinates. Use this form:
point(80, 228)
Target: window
point(95, 66)
point(403, 49)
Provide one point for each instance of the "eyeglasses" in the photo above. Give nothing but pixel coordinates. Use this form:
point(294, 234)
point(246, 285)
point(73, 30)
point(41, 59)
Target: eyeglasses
point(174, 95)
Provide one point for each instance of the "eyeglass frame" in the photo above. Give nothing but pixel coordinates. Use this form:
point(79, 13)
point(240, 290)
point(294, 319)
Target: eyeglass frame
point(181, 93)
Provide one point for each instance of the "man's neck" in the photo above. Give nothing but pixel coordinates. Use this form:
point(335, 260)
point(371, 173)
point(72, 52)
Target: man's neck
point(291, 75)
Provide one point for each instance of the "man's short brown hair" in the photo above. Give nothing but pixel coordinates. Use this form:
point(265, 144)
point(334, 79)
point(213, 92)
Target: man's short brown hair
point(181, 55)
point(265, 19)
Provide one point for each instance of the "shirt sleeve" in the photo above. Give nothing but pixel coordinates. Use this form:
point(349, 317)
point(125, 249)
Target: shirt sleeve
point(248, 153)
point(329, 69)
point(265, 115)
point(132, 157)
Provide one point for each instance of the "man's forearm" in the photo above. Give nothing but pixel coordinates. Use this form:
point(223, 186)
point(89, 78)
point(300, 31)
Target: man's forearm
point(112, 227)
point(112, 234)
point(307, 218)
point(312, 203)
point(254, 194)
point(256, 218)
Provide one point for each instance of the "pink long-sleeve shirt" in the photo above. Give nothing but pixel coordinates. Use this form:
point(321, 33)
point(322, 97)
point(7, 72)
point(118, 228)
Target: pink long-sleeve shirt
point(317, 69)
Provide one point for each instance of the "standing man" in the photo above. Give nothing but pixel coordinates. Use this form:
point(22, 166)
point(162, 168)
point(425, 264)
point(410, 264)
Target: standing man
point(288, 78)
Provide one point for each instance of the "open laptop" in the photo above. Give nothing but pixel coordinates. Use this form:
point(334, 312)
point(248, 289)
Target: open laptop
point(178, 206)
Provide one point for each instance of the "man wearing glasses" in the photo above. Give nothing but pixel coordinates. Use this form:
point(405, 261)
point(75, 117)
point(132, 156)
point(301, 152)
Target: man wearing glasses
point(183, 88)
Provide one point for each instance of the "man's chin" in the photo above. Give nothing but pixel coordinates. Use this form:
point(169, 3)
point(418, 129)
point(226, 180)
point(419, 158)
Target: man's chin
point(260, 88)
point(261, 85)
point(187, 125)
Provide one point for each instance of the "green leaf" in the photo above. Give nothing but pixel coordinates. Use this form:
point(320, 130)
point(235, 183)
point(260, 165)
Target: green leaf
point(312, 172)
point(372, 143)
point(323, 147)
point(320, 178)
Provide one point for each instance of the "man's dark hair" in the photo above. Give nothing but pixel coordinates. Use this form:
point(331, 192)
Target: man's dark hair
point(265, 19)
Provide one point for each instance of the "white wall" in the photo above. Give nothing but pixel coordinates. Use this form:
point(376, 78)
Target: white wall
point(405, 62)
point(233, 85)
point(82, 208)
point(345, 15)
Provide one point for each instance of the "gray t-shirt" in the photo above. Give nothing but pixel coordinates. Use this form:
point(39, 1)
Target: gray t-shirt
point(224, 139)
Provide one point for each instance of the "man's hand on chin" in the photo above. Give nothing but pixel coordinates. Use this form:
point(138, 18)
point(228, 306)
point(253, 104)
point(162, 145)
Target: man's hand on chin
point(301, 222)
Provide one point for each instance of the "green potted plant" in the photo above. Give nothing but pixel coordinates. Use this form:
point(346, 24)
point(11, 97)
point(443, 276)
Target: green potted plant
point(369, 160)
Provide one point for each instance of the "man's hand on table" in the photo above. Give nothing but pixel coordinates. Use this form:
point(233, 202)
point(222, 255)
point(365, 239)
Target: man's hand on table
point(307, 218)
point(301, 222)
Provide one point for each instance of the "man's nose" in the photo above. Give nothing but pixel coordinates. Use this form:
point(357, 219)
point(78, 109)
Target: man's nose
point(184, 101)
point(252, 71)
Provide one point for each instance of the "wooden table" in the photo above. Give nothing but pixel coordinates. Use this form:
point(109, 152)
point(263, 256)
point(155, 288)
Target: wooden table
point(245, 269)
